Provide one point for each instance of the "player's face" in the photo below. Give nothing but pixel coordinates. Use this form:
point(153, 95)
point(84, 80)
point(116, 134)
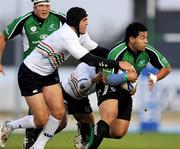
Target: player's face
point(42, 10)
point(140, 42)
point(83, 25)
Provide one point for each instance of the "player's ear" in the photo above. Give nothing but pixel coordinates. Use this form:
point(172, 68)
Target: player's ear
point(131, 39)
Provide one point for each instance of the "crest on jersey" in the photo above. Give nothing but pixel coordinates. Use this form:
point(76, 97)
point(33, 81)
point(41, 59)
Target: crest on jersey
point(33, 28)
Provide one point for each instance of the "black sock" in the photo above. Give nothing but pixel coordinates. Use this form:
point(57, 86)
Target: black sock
point(97, 134)
point(84, 130)
point(31, 134)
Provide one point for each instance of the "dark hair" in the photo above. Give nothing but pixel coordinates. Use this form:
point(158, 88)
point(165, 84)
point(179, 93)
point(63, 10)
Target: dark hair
point(74, 16)
point(133, 29)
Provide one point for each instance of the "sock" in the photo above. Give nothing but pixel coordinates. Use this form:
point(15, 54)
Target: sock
point(98, 133)
point(47, 132)
point(84, 130)
point(25, 122)
point(31, 133)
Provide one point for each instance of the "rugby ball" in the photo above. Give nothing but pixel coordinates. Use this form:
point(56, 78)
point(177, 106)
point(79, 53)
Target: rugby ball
point(129, 86)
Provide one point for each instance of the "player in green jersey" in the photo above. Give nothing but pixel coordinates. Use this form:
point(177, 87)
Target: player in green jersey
point(33, 28)
point(115, 104)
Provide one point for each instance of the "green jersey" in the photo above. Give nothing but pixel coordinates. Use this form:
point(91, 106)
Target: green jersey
point(32, 29)
point(121, 52)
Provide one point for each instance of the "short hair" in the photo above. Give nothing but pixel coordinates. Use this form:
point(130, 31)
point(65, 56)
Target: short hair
point(133, 29)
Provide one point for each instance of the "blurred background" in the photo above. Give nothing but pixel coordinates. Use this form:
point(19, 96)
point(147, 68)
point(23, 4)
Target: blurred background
point(158, 110)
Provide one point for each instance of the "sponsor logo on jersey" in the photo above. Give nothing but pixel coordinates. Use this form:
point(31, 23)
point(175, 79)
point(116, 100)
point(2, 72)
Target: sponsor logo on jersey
point(33, 28)
point(102, 64)
point(43, 36)
point(35, 42)
point(112, 89)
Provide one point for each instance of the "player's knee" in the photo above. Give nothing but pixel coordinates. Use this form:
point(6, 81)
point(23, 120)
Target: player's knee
point(109, 118)
point(58, 113)
point(41, 120)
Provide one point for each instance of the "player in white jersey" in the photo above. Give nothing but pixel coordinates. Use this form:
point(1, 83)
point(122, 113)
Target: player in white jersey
point(39, 82)
point(76, 89)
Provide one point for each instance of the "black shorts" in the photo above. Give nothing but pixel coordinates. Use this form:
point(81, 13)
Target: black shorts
point(76, 106)
point(31, 83)
point(124, 102)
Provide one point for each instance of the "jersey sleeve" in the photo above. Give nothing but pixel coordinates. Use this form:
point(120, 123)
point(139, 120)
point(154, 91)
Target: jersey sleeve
point(156, 58)
point(74, 47)
point(87, 42)
point(15, 27)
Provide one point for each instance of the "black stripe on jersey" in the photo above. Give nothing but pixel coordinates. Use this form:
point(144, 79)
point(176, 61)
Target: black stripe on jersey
point(154, 59)
point(19, 27)
point(60, 16)
point(119, 58)
point(82, 79)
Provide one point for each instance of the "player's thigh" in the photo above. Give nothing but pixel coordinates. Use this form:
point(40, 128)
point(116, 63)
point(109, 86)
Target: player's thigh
point(54, 99)
point(108, 110)
point(39, 108)
point(85, 118)
point(118, 128)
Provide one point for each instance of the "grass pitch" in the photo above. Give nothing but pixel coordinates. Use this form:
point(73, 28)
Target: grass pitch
point(64, 140)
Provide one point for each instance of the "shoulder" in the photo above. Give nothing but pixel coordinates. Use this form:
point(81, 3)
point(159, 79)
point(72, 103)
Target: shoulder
point(151, 49)
point(66, 32)
point(83, 65)
point(120, 44)
point(85, 68)
point(119, 48)
point(59, 15)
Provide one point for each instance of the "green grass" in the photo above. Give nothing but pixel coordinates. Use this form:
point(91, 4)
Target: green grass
point(64, 140)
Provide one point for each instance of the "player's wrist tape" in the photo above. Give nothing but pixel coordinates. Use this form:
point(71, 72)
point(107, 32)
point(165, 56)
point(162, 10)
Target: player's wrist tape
point(153, 77)
point(125, 76)
point(116, 79)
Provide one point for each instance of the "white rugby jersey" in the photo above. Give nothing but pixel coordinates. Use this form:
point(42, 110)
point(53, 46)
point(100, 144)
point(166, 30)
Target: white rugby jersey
point(56, 48)
point(79, 84)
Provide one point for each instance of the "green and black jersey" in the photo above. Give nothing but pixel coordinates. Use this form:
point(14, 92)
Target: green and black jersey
point(121, 52)
point(33, 29)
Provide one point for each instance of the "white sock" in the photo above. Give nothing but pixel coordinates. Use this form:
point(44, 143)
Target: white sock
point(25, 122)
point(47, 132)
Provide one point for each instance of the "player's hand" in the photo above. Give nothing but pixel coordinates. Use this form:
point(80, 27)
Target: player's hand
point(132, 76)
point(98, 77)
point(1, 70)
point(152, 80)
point(123, 65)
